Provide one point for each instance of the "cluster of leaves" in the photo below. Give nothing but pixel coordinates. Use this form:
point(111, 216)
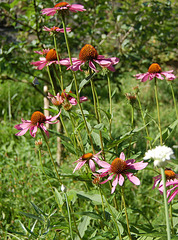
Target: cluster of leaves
point(138, 32)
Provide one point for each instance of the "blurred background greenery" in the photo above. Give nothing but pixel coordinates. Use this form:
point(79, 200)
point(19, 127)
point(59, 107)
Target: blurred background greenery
point(138, 32)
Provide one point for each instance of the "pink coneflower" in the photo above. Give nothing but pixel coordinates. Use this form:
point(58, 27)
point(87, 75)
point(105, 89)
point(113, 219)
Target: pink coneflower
point(55, 29)
point(63, 7)
point(65, 97)
point(174, 183)
point(88, 158)
point(37, 121)
point(89, 54)
point(170, 176)
point(120, 168)
point(171, 179)
point(155, 71)
point(50, 58)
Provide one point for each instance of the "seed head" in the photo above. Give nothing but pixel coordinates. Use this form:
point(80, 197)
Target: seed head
point(51, 55)
point(87, 156)
point(154, 68)
point(38, 117)
point(118, 166)
point(88, 52)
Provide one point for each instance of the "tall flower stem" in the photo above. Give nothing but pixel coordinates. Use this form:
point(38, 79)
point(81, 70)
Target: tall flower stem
point(69, 216)
point(47, 144)
point(51, 81)
point(173, 95)
point(126, 215)
point(95, 99)
point(143, 118)
point(113, 217)
point(166, 204)
point(110, 105)
point(158, 112)
point(76, 87)
point(61, 80)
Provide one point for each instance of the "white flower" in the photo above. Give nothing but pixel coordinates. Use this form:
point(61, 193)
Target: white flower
point(160, 154)
point(63, 188)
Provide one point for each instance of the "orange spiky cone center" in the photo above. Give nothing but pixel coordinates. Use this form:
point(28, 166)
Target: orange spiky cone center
point(61, 4)
point(118, 166)
point(38, 117)
point(170, 175)
point(54, 28)
point(154, 68)
point(88, 52)
point(87, 156)
point(51, 55)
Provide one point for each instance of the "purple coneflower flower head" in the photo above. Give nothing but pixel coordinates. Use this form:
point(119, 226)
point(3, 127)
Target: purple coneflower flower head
point(160, 154)
point(65, 97)
point(120, 168)
point(155, 71)
point(89, 54)
point(63, 8)
point(55, 29)
point(170, 176)
point(174, 189)
point(50, 58)
point(88, 158)
point(38, 120)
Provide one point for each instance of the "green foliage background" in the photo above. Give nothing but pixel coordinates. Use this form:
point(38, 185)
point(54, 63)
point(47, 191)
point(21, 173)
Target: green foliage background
point(138, 33)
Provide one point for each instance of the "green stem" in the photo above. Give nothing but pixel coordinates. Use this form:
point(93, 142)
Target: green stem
point(173, 95)
point(172, 225)
point(69, 216)
point(126, 215)
point(51, 81)
point(114, 199)
point(158, 112)
point(143, 118)
point(60, 82)
point(166, 205)
point(103, 208)
point(76, 87)
point(47, 144)
point(110, 105)
point(95, 98)
point(113, 217)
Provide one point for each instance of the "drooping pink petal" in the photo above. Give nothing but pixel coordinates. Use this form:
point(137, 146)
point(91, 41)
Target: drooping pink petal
point(79, 165)
point(138, 166)
point(114, 184)
point(104, 164)
point(121, 179)
point(83, 99)
point(92, 165)
point(48, 11)
point(130, 161)
point(22, 132)
point(158, 75)
point(173, 196)
point(73, 101)
point(76, 7)
point(108, 179)
point(145, 78)
point(122, 156)
point(133, 178)
point(92, 66)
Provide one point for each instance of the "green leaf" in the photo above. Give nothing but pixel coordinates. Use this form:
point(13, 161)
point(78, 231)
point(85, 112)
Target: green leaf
point(96, 138)
point(59, 198)
point(69, 146)
point(32, 216)
point(38, 210)
point(85, 81)
point(93, 215)
point(15, 2)
point(6, 6)
point(82, 227)
point(99, 126)
point(92, 197)
point(167, 132)
point(68, 88)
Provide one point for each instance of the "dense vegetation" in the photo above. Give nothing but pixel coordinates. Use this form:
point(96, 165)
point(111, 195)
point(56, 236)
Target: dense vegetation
point(137, 32)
